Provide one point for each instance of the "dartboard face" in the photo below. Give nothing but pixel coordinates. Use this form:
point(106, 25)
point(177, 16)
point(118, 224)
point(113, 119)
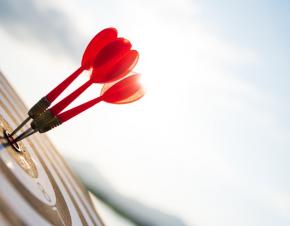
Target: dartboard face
point(36, 185)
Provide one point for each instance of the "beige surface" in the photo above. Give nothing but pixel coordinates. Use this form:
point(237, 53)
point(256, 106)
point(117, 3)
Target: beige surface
point(36, 186)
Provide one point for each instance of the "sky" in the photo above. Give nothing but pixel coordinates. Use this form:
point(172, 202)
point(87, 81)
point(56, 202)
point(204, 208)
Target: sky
point(210, 140)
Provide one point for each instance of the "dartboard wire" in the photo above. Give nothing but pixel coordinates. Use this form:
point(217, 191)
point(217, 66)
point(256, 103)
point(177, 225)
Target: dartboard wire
point(71, 197)
point(68, 189)
point(96, 217)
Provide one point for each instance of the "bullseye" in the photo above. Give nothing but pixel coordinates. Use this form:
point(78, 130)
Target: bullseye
point(10, 140)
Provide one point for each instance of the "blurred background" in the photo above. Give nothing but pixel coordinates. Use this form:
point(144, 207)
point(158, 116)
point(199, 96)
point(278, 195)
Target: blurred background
point(208, 144)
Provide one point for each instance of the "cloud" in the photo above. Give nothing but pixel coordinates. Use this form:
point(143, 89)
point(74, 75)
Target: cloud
point(27, 20)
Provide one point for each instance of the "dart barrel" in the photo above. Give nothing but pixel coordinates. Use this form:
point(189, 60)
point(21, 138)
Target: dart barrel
point(37, 187)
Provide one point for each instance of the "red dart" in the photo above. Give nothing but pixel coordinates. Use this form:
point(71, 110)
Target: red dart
point(125, 91)
point(115, 71)
point(122, 62)
point(136, 96)
point(96, 44)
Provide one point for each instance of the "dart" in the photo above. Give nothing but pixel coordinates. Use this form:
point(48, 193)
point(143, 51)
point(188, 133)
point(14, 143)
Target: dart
point(96, 44)
point(124, 91)
point(112, 63)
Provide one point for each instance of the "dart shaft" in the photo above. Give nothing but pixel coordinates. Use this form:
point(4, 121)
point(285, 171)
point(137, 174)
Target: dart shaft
point(25, 134)
point(67, 100)
point(53, 94)
point(79, 109)
point(34, 112)
point(20, 126)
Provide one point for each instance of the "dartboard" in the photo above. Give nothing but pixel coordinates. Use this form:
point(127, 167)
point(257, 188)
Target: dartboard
point(37, 187)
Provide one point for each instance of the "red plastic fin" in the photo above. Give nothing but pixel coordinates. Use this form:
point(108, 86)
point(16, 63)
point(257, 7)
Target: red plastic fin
point(96, 44)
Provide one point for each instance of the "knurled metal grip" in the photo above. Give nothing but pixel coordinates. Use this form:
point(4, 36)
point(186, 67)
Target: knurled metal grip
point(45, 122)
point(39, 108)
